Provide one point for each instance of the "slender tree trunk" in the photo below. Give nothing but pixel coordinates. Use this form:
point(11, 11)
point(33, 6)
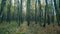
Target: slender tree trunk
point(39, 11)
point(45, 14)
point(48, 13)
point(57, 13)
point(28, 12)
point(3, 3)
point(52, 6)
point(36, 11)
point(48, 19)
point(59, 4)
point(8, 11)
point(20, 12)
point(18, 21)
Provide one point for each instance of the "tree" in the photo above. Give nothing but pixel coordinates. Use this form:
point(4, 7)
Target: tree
point(57, 13)
point(8, 11)
point(20, 12)
point(53, 10)
point(45, 14)
point(18, 21)
point(28, 12)
point(48, 12)
point(36, 11)
point(59, 3)
point(39, 11)
point(3, 3)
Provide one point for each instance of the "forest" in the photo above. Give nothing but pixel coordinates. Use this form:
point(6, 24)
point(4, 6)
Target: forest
point(29, 16)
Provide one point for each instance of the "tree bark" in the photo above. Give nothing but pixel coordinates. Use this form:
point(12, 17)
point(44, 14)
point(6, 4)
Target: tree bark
point(8, 11)
point(28, 12)
point(3, 3)
point(57, 13)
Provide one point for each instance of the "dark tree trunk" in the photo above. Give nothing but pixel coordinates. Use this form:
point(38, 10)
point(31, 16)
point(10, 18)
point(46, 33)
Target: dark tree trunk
point(8, 11)
point(20, 12)
point(28, 12)
point(52, 6)
point(39, 11)
point(18, 21)
point(48, 13)
point(45, 14)
point(48, 19)
point(59, 4)
point(57, 13)
point(36, 11)
point(3, 3)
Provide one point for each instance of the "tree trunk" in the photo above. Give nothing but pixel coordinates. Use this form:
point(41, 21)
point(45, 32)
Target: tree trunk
point(8, 11)
point(57, 13)
point(28, 12)
point(39, 11)
point(45, 14)
point(3, 3)
point(36, 11)
point(20, 12)
point(59, 4)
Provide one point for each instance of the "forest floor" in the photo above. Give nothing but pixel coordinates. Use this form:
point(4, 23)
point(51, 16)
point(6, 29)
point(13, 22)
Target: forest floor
point(13, 28)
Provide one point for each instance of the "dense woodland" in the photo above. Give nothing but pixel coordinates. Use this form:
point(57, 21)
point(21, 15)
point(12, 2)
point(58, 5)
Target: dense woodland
point(40, 12)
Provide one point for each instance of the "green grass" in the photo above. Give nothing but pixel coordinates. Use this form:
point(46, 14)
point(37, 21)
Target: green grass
point(13, 28)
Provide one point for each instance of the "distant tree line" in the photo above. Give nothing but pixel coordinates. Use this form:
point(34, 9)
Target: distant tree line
point(39, 15)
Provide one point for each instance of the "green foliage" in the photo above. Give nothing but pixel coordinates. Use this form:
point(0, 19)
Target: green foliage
point(19, 33)
point(6, 33)
point(8, 28)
